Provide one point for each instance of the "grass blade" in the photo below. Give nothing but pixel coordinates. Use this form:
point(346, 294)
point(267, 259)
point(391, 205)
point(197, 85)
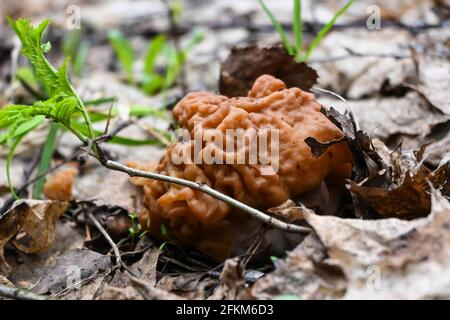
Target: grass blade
point(154, 49)
point(277, 25)
point(298, 28)
point(79, 63)
point(46, 158)
point(124, 51)
point(100, 101)
point(9, 158)
point(326, 29)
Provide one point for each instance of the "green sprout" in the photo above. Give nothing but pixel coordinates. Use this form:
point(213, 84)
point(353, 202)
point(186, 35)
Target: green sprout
point(153, 80)
point(163, 230)
point(60, 103)
point(135, 228)
point(297, 49)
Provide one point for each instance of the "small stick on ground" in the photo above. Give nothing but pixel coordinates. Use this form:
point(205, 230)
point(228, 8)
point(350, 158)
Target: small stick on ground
point(119, 262)
point(152, 293)
point(349, 108)
point(20, 294)
point(113, 165)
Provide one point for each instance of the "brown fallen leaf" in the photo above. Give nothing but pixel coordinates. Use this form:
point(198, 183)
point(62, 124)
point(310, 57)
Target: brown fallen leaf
point(361, 259)
point(407, 194)
point(367, 163)
point(244, 65)
point(30, 224)
point(232, 280)
point(434, 69)
point(145, 269)
point(384, 183)
point(71, 270)
point(289, 211)
point(113, 293)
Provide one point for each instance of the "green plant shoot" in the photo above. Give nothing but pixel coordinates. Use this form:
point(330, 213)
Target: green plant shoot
point(297, 49)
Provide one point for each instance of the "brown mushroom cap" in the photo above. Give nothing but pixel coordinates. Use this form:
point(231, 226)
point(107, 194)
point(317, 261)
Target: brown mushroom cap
point(210, 225)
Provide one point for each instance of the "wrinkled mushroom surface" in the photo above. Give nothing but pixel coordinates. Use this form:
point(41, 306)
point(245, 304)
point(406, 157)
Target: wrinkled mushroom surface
point(212, 226)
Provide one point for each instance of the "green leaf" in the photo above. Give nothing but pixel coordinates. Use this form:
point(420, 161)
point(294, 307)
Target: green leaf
point(46, 47)
point(31, 39)
point(120, 140)
point(155, 48)
point(298, 28)
point(325, 30)
point(124, 51)
point(143, 111)
point(152, 83)
point(163, 230)
point(173, 67)
point(19, 119)
point(80, 58)
point(195, 40)
point(9, 158)
point(46, 159)
point(277, 25)
point(98, 102)
point(27, 126)
point(177, 10)
point(71, 42)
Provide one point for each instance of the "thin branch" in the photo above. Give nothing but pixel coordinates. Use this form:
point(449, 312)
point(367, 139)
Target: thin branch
point(109, 118)
point(119, 262)
point(113, 165)
point(349, 108)
point(20, 294)
point(149, 292)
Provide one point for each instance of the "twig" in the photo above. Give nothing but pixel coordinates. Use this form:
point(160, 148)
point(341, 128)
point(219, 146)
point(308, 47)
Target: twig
point(113, 165)
point(149, 292)
point(20, 294)
point(353, 54)
point(100, 155)
point(177, 263)
point(110, 135)
point(109, 118)
point(349, 108)
point(119, 262)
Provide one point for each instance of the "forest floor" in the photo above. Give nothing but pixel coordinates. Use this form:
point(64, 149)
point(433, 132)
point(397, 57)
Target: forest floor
point(395, 78)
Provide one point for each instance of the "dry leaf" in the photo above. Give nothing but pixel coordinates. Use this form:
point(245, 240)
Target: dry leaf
point(406, 194)
point(32, 223)
point(145, 269)
point(232, 278)
point(434, 68)
point(357, 259)
point(71, 269)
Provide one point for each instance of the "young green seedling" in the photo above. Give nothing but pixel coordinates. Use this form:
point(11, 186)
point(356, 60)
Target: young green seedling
point(297, 49)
